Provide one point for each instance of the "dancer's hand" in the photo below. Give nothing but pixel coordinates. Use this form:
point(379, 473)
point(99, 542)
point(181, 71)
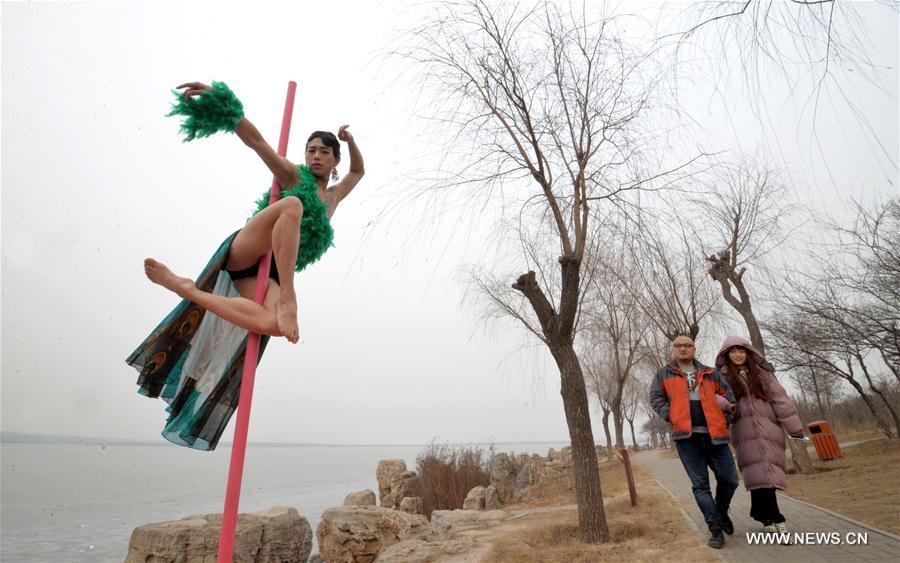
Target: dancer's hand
point(193, 88)
point(345, 135)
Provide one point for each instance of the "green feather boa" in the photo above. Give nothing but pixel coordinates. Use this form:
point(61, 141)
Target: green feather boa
point(212, 111)
point(316, 234)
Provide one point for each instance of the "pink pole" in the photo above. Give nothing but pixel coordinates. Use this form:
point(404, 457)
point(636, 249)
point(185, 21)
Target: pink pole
point(239, 446)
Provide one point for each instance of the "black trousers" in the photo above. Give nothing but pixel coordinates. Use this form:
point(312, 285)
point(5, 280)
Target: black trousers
point(764, 506)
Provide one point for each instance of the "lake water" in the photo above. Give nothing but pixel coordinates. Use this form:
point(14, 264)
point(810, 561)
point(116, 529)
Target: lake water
point(80, 502)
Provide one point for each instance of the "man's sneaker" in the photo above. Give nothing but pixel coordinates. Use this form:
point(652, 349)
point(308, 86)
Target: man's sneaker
point(769, 528)
point(785, 538)
point(716, 539)
point(727, 524)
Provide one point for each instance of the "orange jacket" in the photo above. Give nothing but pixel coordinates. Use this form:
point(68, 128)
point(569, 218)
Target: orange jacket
point(670, 398)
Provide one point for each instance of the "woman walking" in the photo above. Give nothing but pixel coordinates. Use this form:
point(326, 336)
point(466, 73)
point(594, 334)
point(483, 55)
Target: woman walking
point(762, 413)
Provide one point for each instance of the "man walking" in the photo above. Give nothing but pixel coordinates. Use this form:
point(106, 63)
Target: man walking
point(684, 393)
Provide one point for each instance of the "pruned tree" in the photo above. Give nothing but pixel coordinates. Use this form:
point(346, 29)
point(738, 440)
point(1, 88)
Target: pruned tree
point(747, 213)
point(549, 102)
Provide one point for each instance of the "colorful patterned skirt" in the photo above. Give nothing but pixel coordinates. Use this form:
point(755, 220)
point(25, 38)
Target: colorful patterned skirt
point(194, 361)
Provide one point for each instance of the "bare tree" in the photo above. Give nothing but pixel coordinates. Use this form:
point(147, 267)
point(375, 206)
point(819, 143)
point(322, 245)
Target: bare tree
point(804, 339)
point(618, 325)
point(853, 302)
point(631, 403)
point(747, 213)
point(667, 280)
point(549, 102)
point(819, 49)
point(600, 385)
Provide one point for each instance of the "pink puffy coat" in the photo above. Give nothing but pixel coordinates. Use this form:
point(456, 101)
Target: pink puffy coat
point(756, 428)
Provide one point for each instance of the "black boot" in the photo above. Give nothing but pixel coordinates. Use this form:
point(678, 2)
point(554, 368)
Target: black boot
point(716, 538)
point(727, 524)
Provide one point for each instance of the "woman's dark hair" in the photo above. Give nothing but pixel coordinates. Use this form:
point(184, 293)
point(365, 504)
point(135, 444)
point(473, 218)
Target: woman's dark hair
point(329, 140)
point(737, 383)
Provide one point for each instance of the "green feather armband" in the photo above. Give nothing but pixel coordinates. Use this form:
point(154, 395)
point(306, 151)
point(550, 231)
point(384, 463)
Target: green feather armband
point(212, 111)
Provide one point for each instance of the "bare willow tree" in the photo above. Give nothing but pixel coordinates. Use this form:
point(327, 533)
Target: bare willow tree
point(844, 319)
point(819, 50)
point(747, 212)
point(667, 279)
point(595, 359)
point(545, 107)
point(617, 324)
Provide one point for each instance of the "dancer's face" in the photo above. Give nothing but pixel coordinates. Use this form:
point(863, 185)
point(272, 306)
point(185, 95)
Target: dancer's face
point(320, 158)
point(738, 356)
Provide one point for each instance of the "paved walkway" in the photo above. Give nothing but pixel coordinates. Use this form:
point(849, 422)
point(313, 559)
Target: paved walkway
point(801, 517)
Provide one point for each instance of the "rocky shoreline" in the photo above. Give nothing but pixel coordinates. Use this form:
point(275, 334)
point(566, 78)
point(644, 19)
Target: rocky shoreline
point(362, 530)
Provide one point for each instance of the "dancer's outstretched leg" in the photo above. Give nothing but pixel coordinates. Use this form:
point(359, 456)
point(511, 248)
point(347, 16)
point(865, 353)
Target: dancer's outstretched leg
point(275, 228)
point(240, 311)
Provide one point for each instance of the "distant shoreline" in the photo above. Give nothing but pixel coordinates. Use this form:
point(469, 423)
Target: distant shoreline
point(61, 440)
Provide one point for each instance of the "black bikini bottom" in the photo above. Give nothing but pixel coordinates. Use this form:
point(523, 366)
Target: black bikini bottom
point(252, 271)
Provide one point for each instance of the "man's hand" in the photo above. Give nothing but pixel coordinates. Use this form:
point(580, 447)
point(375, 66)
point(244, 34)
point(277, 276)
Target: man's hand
point(345, 135)
point(193, 88)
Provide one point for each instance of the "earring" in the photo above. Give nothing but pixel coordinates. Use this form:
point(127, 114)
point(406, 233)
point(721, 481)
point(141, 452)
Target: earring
point(334, 174)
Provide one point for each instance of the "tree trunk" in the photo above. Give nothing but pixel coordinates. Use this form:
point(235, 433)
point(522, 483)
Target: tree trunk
point(885, 428)
point(592, 524)
point(609, 443)
point(633, 436)
point(618, 426)
point(559, 333)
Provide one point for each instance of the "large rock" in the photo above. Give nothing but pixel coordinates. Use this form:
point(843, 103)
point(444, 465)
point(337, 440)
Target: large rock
point(566, 454)
point(362, 498)
point(491, 500)
point(412, 505)
point(406, 484)
point(359, 533)
point(526, 477)
point(387, 469)
point(461, 534)
point(503, 475)
point(278, 534)
point(475, 499)
point(552, 455)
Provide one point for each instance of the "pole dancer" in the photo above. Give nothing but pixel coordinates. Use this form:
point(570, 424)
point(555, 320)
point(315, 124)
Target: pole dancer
point(193, 360)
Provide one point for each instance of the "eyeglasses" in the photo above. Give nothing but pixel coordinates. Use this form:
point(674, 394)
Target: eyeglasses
point(682, 345)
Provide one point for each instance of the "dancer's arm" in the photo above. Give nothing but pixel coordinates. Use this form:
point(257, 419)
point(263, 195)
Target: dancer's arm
point(357, 168)
point(283, 169)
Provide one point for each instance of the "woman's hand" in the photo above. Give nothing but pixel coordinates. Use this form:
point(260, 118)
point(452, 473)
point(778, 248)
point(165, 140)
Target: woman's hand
point(193, 88)
point(345, 135)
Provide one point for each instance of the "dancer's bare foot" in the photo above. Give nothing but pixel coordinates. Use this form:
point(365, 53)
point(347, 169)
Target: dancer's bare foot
point(286, 317)
point(159, 274)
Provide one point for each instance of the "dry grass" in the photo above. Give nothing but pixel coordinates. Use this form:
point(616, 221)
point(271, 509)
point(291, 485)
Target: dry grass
point(449, 472)
point(653, 530)
point(864, 484)
point(857, 434)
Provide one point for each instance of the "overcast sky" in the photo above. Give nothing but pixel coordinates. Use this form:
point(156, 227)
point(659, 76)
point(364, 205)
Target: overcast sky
point(95, 179)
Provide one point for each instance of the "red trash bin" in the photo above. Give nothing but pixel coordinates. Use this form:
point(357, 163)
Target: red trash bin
point(824, 440)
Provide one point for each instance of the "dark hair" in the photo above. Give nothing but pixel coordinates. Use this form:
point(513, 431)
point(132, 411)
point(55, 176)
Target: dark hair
point(329, 140)
point(753, 381)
